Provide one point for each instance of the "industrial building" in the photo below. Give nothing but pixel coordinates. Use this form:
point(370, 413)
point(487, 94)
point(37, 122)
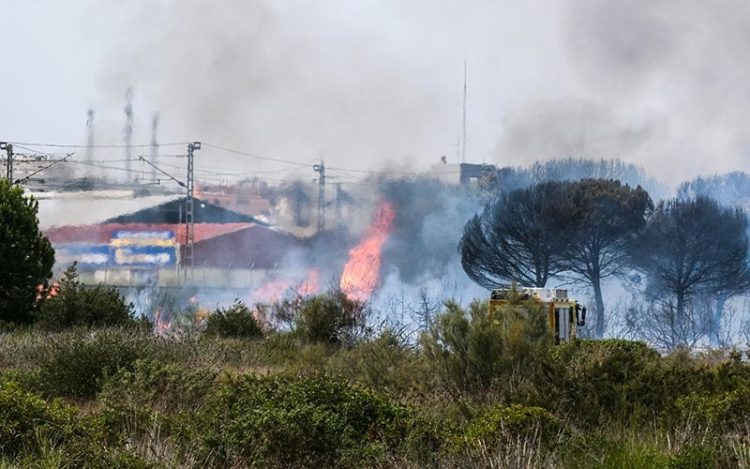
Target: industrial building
point(146, 247)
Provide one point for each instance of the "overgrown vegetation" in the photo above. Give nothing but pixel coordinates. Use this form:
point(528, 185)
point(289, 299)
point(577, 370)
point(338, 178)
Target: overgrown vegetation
point(237, 321)
point(307, 382)
point(475, 390)
point(70, 304)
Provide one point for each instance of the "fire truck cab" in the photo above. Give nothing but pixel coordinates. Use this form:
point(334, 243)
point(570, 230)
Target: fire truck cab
point(565, 315)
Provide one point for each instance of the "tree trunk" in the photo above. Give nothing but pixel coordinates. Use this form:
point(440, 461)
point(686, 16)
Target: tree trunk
point(715, 324)
point(596, 284)
point(679, 320)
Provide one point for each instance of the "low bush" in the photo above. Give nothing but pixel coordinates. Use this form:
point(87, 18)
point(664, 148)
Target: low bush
point(498, 425)
point(148, 395)
point(472, 349)
point(387, 363)
point(237, 321)
point(74, 305)
point(466, 350)
point(603, 380)
point(77, 367)
point(719, 412)
point(285, 421)
point(330, 318)
point(27, 421)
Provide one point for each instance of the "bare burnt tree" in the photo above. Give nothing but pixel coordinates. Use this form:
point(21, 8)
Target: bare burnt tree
point(691, 247)
point(657, 323)
point(730, 189)
point(606, 215)
point(520, 236)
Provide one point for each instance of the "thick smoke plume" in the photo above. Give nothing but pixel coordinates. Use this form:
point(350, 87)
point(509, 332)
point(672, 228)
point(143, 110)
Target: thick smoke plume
point(657, 83)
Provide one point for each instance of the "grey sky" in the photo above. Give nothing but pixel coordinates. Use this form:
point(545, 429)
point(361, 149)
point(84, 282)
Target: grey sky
point(367, 83)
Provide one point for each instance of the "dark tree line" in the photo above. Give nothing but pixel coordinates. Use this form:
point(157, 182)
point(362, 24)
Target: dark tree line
point(593, 229)
point(692, 247)
point(517, 237)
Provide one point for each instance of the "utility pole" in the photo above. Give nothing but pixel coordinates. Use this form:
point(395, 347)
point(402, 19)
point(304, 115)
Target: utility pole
point(320, 168)
point(338, 205)
point(9, 160)
point(188, 262)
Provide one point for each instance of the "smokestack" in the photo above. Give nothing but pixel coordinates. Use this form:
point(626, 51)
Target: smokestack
point(154, 144)
point(128, 131)
point(90, 140)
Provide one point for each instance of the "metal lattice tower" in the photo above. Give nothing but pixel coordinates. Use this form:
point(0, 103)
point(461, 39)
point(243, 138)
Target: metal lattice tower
point(188, 261)
point(320, 168)
point(9, 160)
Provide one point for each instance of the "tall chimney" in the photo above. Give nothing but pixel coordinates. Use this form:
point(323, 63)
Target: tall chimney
point(90, 141)
point(154, 144)
point(128, 132)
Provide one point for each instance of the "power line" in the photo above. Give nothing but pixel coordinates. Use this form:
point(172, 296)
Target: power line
point(180, 183)
point(113, 145)
point(297, 164)
point(26, 178)
point(114, 168)
point(253, 155)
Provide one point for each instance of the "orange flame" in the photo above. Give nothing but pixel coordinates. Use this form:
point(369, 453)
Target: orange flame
point(310, 285)
point(162, 326)
point(362, 270)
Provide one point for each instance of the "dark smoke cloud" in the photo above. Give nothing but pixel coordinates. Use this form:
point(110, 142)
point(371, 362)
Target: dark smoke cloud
point(658, 83)
point(289, 80)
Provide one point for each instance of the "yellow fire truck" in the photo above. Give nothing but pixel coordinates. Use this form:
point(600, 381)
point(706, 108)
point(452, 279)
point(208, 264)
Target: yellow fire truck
point(565, 315)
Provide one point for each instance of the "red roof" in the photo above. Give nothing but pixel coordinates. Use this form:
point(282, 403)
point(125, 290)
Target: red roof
point(255, 247)
point(102, 234)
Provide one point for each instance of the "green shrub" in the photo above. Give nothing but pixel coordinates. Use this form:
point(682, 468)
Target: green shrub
point(134, 400)
point(387, 363)
point(609, 380)
point(473, 349)
point(284, 421)
point(76, 367)
point(722, 411)
point(330, 318)
point(467, 352)
point(499, 425)
point(237, 321)
point(26, 421)
point(74, 305)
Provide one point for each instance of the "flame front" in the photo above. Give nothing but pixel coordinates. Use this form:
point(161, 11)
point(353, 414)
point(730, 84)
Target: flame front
point(362, 270)
point(310, 285)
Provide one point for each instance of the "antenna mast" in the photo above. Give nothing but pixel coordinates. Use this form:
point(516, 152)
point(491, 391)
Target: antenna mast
point(463, 139)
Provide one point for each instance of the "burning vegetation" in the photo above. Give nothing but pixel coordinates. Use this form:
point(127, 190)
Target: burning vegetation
point(361, 273)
